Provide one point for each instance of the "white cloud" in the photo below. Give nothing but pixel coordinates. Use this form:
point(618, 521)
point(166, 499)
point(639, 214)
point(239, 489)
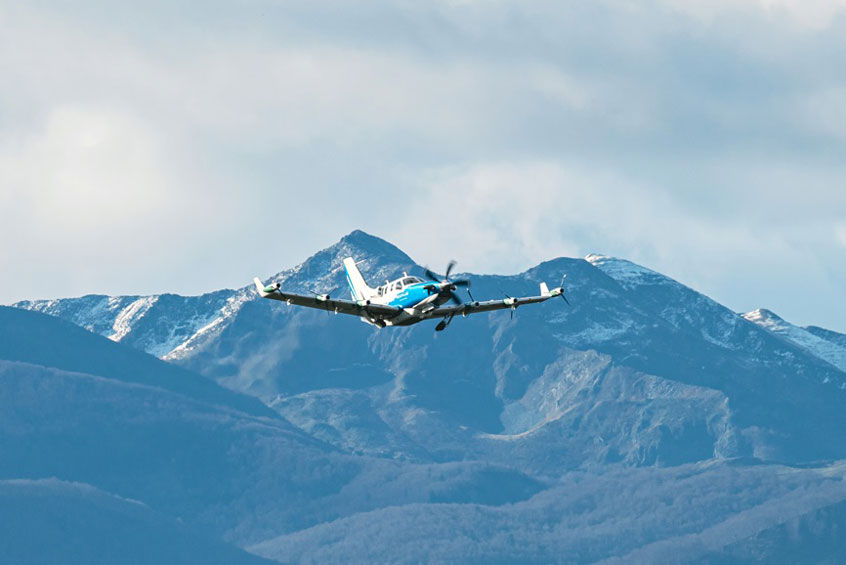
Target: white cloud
point(279, 93)
point(95, 196)
point(840, 234)
point(86, 172)
point(509, 216)
point(814, 15)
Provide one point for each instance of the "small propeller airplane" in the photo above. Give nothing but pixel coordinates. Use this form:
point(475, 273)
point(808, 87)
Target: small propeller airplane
point(406, 300)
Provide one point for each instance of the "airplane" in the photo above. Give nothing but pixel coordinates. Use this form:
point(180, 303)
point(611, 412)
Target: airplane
point(405, 301)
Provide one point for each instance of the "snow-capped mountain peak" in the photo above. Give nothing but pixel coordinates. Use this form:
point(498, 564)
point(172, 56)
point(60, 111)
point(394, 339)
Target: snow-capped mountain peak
point(629, 275)
point(827, 350)
point(766, 318)
point(171, 327)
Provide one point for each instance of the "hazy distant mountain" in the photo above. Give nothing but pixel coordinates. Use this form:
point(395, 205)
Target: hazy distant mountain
point(646, 420)
point(51, 521)
point(717, 512)
point(44, 340)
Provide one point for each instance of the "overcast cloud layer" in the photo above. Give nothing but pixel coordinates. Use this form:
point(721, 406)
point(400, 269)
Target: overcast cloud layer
point(184, 147)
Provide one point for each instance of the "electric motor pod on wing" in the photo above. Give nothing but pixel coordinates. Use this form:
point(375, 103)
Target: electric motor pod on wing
point(405, 301)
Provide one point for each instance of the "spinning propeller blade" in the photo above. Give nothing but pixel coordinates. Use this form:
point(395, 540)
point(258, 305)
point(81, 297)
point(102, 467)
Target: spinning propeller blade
point(452, 284)
point(562, 290)
point(449, 268)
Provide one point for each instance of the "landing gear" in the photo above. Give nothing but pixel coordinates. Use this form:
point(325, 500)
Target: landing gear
point(442, 325)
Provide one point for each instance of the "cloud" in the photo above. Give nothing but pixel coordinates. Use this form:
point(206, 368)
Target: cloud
point(87, 172)
point(508, 216)
point(92, 195)
point(840, 234)
point(150, 147)
point(814, 15)
point(826, 111)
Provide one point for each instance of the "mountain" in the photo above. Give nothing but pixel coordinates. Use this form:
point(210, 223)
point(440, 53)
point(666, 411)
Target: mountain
point(681, 377)
point(51, 342)
point(52, 521)
point(644, 422)
point(825, 344)
point(833, 337)
point(217, 466)
point(172, 327)
point(714, 512)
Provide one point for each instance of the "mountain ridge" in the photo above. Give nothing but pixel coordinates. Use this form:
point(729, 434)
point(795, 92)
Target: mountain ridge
point(40, 339)
point(639, 319)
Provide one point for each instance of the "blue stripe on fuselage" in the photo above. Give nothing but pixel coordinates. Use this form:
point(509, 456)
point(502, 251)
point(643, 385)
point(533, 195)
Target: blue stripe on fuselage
point(411, 295)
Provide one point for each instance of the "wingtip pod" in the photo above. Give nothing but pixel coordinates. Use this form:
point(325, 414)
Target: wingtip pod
point(265, 290)
point(559, 291)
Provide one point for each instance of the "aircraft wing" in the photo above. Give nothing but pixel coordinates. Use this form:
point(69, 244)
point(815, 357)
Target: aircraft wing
point(325, 302)
point(490, 305)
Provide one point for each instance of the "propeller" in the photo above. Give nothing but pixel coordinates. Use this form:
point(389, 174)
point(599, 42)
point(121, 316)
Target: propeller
point(562, 290)
point(452, 285)
point(324, 297)
point(510, 301)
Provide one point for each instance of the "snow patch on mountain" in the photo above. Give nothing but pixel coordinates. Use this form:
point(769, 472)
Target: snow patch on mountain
point(677, 304)
point(824, 349)
point(128, 316)
point(596, 333)
point(629, 275)
point(203, 328)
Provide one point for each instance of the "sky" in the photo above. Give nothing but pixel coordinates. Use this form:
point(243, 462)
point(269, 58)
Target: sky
point(188, 146)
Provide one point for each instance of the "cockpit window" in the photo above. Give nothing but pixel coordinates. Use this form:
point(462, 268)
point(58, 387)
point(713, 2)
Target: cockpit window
point(410, 280)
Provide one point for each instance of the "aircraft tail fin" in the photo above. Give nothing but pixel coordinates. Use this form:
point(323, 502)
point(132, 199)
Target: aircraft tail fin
point(358, 287)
